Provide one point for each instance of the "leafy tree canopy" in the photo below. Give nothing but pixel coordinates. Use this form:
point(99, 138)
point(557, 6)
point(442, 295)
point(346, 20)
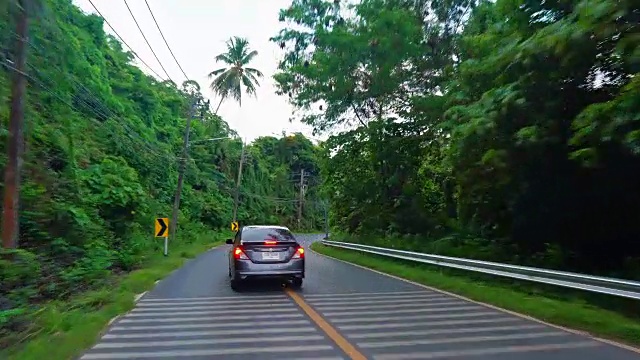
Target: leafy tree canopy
point(511, 124)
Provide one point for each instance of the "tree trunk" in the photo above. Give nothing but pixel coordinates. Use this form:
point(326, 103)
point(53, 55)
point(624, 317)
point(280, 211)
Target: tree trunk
point(220, 103)
point(15, 143)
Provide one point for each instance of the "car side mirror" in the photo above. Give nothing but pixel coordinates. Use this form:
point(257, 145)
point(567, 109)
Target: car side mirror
point(229, 241)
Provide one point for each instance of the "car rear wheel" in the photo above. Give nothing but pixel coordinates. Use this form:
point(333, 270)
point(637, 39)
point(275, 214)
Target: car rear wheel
point(296, 283)
point(235, 285)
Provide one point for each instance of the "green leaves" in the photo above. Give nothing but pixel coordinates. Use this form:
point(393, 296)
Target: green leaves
point(103, 144)
point(229, 82)
point(114, 184)
point(356, 67)
point(515, 120)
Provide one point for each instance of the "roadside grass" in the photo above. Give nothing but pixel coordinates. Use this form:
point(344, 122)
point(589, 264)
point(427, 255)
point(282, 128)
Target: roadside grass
point(573, 313)
point(64, 329)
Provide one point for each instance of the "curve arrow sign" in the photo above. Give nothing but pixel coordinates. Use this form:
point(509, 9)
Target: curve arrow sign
point(162, 227)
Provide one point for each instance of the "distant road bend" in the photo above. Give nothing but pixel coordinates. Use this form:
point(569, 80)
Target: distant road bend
point(341, 312)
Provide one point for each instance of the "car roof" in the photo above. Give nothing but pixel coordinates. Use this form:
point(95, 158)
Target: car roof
point(266, 227)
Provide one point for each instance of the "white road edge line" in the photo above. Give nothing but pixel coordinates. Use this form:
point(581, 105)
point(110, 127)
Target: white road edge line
point(113, 320)
point(139, 296)
point(522, 316)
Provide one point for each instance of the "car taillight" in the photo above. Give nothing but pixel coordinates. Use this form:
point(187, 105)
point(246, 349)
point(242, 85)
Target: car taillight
point(299, 254)
point(238, 254)
point(270, 242)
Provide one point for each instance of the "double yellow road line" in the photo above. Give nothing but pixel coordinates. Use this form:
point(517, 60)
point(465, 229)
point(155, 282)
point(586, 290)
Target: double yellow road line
point(332, 333)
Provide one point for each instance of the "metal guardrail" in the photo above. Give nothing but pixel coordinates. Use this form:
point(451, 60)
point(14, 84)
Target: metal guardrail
point(597, 284)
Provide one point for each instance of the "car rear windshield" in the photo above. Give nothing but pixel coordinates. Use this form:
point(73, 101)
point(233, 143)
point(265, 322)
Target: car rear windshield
point(266, 234)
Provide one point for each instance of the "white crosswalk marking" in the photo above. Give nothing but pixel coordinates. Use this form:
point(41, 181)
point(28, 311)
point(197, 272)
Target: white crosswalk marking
point(210, 352)
point(226, 332)
point(251, 327)
point(250, 340)
point(430, 325)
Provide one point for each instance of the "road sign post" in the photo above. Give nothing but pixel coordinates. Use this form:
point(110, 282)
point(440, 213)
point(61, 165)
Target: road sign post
point(234, 226)
point(162, 230)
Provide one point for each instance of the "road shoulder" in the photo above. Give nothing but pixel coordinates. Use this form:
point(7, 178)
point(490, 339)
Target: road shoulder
point(62, 330)
point(605, 326)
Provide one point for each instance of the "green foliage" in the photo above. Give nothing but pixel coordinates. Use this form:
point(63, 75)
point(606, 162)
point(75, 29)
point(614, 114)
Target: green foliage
point(229, 82)
point(509, 120)
point(101, 162)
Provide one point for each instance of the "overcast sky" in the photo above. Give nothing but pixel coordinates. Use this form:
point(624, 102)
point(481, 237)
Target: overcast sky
point(197, 30)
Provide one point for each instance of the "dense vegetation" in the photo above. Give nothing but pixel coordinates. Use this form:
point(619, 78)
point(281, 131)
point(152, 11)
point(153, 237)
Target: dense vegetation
point(103, 142)
point(505, 129)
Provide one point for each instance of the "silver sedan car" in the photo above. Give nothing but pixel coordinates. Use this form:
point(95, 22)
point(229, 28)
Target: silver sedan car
point(265, 252)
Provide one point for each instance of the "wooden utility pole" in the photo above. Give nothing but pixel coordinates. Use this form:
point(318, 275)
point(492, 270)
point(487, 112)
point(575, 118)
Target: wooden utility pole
point(301, 197)
point(183, 162)
point(236, 194)
point(326, 219)
point(15, 143)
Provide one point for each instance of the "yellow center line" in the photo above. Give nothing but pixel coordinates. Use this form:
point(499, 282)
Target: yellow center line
point(332, 333)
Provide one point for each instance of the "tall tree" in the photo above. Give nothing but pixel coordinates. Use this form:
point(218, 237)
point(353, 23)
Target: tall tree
point(447, 119)
point(229, 81)
point(15, 146)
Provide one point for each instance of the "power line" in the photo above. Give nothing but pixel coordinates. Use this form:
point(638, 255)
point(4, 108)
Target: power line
point(165, 40)
point(104, 111)
point(88, 92)
point(95, 110)
point(56, 95)
point(124, 42)
point(147, 41)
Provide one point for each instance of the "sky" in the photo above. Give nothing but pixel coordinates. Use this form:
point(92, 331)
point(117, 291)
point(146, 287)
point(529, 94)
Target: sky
point(196, 31)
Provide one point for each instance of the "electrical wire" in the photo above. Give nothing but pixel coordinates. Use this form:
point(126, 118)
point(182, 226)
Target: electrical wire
point(124, 42)
point(103, 112)
point(94, 110)
point(165, 40)
point(147, 41)
point(128, 131)
point(103, 108)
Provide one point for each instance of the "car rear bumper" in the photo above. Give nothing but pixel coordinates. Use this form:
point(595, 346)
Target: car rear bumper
point(247, 269)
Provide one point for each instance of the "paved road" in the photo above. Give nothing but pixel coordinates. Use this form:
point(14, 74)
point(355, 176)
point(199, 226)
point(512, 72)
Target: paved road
point(342, 312)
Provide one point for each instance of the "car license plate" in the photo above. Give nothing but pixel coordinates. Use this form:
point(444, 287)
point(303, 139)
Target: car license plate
point(270, 256)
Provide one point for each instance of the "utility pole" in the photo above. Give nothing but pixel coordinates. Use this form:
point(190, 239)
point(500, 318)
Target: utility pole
point(185, 153)
point(301, 197)
point(15, 143)
point(326, 219)
point(236, 195)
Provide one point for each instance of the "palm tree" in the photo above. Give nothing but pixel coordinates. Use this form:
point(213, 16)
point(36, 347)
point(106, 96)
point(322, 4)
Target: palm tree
point(230, 80)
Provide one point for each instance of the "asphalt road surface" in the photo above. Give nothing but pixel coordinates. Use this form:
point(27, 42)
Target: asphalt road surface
point(341, 312)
